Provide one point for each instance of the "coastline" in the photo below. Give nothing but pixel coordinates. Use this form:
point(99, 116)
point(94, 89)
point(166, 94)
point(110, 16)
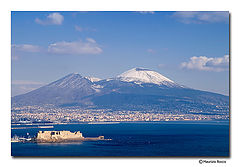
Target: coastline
point(42, 125)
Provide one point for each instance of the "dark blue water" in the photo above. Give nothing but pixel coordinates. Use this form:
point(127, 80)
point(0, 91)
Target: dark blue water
point(135, 139)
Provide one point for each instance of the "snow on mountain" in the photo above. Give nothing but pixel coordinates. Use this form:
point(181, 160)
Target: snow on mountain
point(131, 90)
point(72, 81)
point(97, 88)
point(142, 75)
point(76, 81)
point(93, 79)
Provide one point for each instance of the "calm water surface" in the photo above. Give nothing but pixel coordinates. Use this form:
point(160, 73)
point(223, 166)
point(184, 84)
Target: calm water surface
point(134, 139)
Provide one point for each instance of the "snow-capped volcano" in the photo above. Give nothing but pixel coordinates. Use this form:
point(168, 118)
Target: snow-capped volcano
point(137, 89)
point(142, 75)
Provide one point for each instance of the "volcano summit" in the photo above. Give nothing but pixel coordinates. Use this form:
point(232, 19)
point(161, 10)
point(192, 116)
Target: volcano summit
point(141, 75)
point(136, 89)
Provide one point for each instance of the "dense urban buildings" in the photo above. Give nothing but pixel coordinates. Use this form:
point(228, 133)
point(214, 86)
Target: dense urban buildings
point(51, 114)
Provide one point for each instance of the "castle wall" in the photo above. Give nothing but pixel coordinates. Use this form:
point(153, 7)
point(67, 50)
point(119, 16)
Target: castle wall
point(55, 136)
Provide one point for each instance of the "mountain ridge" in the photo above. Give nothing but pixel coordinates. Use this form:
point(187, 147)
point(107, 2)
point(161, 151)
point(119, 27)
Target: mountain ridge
point(138, 88)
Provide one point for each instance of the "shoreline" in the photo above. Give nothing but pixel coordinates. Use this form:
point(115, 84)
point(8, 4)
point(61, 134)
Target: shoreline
point(42, 125)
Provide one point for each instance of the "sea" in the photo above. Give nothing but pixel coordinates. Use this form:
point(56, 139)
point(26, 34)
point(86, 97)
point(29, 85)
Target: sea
point(132, 139)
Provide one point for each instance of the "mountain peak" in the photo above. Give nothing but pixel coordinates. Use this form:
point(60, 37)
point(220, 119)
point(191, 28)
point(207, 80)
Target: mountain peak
point(143, 75)
point(72, 75)
point(73, 80)
point(141, 69)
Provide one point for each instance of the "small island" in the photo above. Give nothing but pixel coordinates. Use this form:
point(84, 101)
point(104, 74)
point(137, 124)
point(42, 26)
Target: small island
point(57, 137)
point(63, 136)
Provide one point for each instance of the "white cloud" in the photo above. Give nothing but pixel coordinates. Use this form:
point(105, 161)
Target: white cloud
point(91, 40)
point(201, 17)
point(25, 48)
point(52, 19)
point(89, 46)
point(204, 63)
point(75, 48)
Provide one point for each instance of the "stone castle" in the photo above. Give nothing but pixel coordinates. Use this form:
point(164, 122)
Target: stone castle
point(54, 136)
point(61, 136)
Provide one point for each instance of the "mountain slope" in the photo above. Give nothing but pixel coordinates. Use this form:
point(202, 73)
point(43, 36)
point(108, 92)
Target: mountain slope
point(69, 89)
point(136, 89)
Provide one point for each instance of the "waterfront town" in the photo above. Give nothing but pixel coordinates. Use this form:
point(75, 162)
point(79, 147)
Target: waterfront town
point(51, 114)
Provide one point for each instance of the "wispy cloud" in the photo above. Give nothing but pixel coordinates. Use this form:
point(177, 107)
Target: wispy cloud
point(21, 86)
point(78, 28)
point(14, 57)
point(146, 12)
point(161, 65)
point(89, 46)
point(204, 63)
point(201, 17)
point(81, 29)
point(52, 19)
point(25, 48)
point(152, 51)
point(17, 50)
point(24, 82)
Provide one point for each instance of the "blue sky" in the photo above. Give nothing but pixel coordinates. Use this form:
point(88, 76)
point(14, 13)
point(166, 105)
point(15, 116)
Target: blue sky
point(190, 48)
